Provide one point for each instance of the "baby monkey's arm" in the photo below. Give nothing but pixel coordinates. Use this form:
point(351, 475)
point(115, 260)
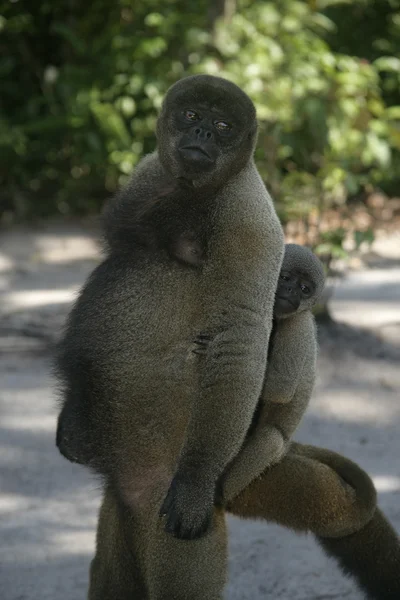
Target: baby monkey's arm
point(286, 360)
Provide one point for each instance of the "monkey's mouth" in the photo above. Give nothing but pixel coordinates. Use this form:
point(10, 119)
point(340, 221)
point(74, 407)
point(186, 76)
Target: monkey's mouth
point(286, 305)
point(288, 300)
point(195, 153)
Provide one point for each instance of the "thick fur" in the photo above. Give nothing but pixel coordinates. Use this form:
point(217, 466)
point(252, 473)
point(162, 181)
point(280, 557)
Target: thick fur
point(318, 491)
point(289, 379)
point(138, 405)
point(310, 490)
point(371, 555)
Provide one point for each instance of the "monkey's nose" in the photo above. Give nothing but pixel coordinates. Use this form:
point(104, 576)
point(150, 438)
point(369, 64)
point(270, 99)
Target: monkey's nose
point(203, 134)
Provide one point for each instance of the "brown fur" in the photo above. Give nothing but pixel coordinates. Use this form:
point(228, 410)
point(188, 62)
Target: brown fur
point(311, 490)
point(290, 374)
point(159, 423)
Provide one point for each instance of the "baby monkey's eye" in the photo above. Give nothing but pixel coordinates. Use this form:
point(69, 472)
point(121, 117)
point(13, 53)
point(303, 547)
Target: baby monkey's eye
point(284, 277)
point(191, 115)
point(223, 125)
point(306, 290)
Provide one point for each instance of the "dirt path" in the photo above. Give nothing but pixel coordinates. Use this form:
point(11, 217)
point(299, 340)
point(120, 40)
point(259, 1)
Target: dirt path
point(48, 506)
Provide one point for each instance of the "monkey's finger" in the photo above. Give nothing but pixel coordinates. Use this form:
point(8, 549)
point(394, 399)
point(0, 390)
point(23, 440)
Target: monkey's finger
point(185, 527)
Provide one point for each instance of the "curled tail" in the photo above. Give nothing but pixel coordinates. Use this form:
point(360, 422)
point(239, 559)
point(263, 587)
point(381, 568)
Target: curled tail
point(371, 555)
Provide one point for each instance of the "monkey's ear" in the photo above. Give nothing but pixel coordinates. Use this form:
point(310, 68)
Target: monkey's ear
point(253, 131)
point(158, 125)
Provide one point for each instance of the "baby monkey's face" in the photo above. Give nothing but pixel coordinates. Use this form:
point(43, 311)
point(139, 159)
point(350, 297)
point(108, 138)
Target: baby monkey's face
point(294, 287)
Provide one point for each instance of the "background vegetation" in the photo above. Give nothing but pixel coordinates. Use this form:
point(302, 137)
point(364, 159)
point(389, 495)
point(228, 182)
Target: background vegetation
point(81, 84)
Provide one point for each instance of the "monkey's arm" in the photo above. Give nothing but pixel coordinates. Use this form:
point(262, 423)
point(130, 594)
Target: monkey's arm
point(270, 440)
point(239, 281)
point(286, 393)
point(295, 338)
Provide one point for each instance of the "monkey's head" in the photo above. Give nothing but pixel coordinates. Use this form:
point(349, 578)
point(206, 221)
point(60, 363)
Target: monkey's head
point(300, 283)
point(206, 130)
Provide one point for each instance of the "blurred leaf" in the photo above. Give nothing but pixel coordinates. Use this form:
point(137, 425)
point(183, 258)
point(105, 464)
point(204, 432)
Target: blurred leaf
point(392, 113)
point(388, 63)
point(363, 236)
point(70, 36)
point(336, 251)
point(111, 122)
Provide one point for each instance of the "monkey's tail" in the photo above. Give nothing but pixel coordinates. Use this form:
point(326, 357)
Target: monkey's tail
point(371, 555)
point(350, 472)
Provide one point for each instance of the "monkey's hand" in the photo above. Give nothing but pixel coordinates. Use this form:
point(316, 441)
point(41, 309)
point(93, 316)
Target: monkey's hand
point(188, 508)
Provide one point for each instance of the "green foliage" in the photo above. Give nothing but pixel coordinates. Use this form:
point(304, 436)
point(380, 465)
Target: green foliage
point(80, 87)
point(325, 130)
point(81, 84)
point(331, 243)
point(370, 30)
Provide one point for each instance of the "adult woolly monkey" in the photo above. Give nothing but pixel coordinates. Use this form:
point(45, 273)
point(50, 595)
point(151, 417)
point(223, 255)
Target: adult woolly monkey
point(140, 405)
point(131, 379)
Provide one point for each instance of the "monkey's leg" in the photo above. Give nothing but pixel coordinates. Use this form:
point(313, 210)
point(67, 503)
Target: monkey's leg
point(136, 559)
point(183, 569)
point(371, 555)
point(331, 497)
point(115, 573)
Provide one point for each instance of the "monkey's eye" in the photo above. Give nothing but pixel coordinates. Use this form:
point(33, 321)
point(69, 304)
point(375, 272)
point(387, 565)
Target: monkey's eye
point(222, 125)
point(305, 289)
point(191, 115)
point(284, 278)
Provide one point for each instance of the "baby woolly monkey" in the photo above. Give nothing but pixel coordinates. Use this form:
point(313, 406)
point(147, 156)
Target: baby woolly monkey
point(290, 375)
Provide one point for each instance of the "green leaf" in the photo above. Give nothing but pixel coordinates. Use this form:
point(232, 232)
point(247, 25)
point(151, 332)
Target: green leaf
point(111, 123)
point(70, 36)
point(363, 236)
point(388, 63)
point(392, 113)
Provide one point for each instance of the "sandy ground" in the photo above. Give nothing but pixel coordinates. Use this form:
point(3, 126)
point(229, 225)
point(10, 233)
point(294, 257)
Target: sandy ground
point(48, 507)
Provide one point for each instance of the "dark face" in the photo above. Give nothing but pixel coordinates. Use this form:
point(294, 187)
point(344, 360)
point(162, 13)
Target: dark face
point(293, 289)
point(206, 130)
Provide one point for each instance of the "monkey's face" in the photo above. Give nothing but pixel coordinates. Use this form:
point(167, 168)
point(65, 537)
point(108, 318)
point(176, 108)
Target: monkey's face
point(293, 291)
point(300, 283)
point(206, 130)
